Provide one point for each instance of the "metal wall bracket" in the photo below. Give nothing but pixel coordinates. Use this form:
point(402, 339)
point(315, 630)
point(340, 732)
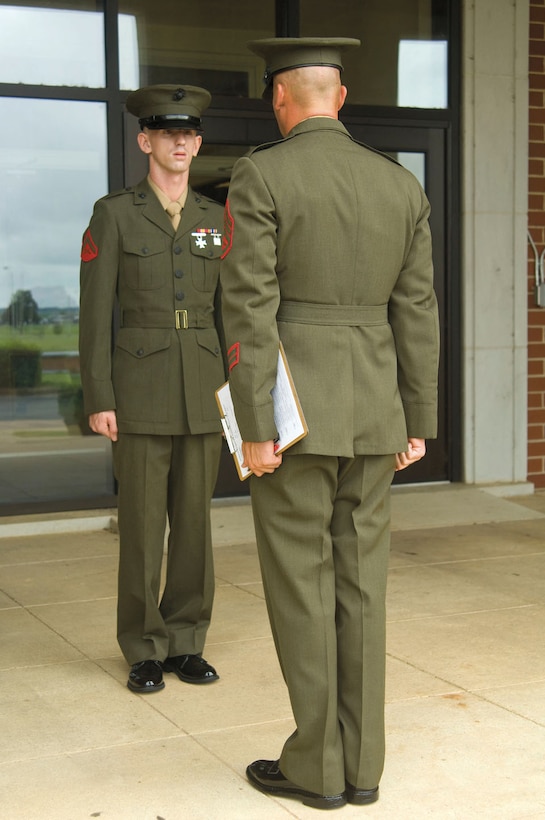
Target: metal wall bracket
point(539, 273)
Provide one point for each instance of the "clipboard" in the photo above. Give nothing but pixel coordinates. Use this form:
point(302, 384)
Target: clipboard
point(288, 415)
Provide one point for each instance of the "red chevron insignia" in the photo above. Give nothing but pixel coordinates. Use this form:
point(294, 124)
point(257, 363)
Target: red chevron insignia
point(233, 355)
point(89, 250)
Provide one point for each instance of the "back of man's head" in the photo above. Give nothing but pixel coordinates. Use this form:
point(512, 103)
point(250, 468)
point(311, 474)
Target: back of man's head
point(312, 86)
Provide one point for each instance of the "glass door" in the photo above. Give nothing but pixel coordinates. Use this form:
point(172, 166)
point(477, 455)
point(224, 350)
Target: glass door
point(423, 150)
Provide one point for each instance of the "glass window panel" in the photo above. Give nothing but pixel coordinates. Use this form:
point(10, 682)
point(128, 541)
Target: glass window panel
point(160, 43)
point(414, 162)
point(402, 60)
point(50, 176)
point(52, 44)
point(421, 74)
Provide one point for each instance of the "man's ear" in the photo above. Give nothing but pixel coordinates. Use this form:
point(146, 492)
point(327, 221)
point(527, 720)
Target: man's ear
point(279, 94)
point(197, 145)
point(342, 96)
point(143, 142)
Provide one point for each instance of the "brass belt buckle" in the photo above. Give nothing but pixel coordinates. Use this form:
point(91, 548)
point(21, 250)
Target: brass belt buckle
point(181, 320)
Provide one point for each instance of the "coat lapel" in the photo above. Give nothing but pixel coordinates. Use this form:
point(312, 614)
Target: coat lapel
point(194, 214)
point(152, 210)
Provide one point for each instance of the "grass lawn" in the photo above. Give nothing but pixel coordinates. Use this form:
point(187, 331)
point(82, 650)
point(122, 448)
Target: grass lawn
point(60, 338)
point(48, 338)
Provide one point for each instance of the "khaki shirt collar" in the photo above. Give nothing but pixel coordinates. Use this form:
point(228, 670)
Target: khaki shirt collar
point(163, 198)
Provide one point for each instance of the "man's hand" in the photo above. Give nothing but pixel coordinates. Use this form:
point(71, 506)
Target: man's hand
point(416, 451)
point(260, 457)
point(104, 423)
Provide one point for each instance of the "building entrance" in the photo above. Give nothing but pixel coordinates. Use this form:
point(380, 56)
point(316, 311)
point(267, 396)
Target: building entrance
point(422, 151)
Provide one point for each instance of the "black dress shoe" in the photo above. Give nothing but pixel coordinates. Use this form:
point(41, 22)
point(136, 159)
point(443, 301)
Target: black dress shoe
point(146, 676)
point(266, 776)
point(361, 796)
point(191, 669)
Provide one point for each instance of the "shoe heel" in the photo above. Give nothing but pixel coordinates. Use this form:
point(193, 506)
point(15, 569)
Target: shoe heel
point(336, 801)
point(361, 797)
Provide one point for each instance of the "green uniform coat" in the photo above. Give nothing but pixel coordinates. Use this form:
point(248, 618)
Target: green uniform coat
point(356, 235)
point(161, 380)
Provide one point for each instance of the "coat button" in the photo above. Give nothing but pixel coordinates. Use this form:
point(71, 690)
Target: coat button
point(145, 251)
point(178, 274)
point(177, 250)
point(140, 351)
point(142, 196)
point(180, 295)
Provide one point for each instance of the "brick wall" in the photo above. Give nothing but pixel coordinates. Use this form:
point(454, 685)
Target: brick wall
point(536, 227)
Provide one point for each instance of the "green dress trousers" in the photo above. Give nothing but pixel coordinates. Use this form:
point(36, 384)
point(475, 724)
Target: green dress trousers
point(165, 479)
point(322, 526)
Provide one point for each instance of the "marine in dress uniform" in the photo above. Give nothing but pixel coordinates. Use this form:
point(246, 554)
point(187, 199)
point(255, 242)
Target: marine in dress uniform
point(327, 248)
point(154, 394)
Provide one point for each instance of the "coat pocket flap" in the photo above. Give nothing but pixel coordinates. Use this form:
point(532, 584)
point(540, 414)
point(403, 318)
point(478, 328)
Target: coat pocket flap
point(143, 247)
point(206, 247)
point(209, 340)
point(140, 342)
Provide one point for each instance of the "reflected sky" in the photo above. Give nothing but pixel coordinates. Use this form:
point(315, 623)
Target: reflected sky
point(52, 169)
point(52, 47)
point(422, 74)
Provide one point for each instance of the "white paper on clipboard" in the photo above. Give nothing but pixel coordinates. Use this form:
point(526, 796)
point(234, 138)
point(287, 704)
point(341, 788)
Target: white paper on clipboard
point(288, 415)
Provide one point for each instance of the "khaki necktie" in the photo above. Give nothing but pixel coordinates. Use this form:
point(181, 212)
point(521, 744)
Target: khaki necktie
point(174, 210)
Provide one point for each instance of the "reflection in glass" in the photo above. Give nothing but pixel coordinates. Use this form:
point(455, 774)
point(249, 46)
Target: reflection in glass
point(207, 48)
point(421, 72)
point(383, 71)
point(128, 51)
point(52, 169)
point(41, 45)
point(211, 169)
point(414, 162)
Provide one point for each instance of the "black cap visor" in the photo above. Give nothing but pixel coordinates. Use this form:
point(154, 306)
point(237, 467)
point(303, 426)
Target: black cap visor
point(156, 122)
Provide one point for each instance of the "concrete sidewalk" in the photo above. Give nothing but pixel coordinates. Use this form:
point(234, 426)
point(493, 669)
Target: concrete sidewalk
point(465, 677)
